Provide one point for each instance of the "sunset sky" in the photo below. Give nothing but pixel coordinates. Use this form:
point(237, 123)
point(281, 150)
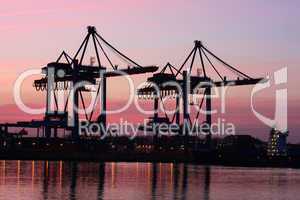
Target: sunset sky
point(259, 37)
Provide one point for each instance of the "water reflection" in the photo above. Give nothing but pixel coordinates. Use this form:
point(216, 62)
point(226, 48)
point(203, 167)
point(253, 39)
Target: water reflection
point(206, 182)
point(154, 180)
point(101, 181)
point(184, 181)
point(45, 180)
point(176, 174)
point(74, 166)
point(84, 180)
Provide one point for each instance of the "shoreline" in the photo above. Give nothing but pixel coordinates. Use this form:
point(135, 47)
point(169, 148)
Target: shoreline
point(104, 151)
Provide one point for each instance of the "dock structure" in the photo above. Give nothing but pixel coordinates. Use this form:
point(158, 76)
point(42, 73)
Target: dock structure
point(67, 72)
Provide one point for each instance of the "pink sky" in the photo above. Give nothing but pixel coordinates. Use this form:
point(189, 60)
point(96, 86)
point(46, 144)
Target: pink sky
point(259, 37)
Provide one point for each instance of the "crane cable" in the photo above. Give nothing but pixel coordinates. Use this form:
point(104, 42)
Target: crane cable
point(117, 51)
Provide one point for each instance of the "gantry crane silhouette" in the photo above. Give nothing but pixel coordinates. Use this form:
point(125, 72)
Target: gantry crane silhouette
point(157, 87)
point(64, 75)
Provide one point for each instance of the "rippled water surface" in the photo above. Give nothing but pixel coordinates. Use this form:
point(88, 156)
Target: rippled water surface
point(88, 181)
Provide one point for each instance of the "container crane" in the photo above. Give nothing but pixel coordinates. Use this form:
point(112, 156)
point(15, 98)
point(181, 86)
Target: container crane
point(65, 75)
point(190, 84)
